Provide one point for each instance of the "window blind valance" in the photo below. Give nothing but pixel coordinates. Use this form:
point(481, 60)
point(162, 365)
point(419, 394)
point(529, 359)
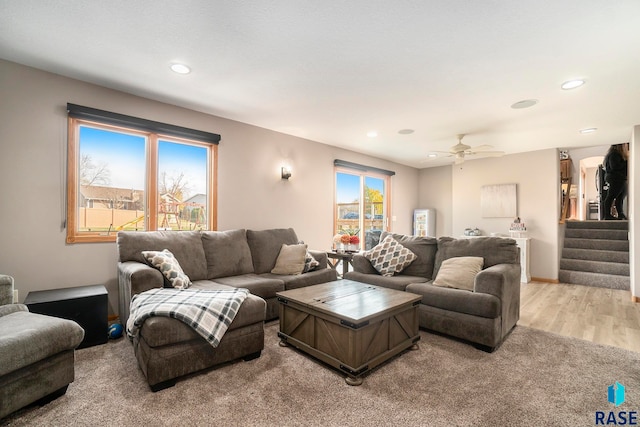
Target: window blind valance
point(362, 168)
point(93, 114)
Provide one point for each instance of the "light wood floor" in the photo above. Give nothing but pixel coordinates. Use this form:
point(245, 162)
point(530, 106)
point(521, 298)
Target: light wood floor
point(604, 316)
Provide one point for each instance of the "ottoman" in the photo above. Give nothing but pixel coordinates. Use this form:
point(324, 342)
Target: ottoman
point(36, 357)
point(167, 348)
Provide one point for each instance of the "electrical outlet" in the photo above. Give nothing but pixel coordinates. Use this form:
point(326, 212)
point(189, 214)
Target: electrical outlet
point(15, 296)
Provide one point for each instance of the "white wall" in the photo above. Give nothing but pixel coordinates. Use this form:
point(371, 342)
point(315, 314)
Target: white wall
point(536, 174)
point(33, 140)
point(435, 191)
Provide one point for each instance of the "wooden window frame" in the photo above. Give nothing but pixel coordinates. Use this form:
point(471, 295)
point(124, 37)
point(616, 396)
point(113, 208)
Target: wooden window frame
point(363, 172)
point(151, 178)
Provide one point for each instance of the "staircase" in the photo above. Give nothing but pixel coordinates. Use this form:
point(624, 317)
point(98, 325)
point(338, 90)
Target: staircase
point(596, 253)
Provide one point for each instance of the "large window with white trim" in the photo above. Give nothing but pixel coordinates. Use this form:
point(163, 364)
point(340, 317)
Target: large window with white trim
point(125, 173)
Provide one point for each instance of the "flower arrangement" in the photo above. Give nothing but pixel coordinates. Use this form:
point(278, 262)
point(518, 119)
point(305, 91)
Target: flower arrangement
point(346, 238)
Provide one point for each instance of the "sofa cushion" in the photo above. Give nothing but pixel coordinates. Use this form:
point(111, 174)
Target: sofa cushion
point(315, 277)
point(457, 300)
point(265, 246)
point(389, 257)
point(398, 282)
point(186, 246)
point(169, 266)
point(28, 338)
point(494, 250)
point(264, 287)
point(290, 260)
point(425, 250)
point(459, 272)
point(227, 253)
point(158, 331)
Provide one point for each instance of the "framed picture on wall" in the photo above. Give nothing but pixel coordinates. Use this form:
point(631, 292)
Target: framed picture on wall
point(499, 201)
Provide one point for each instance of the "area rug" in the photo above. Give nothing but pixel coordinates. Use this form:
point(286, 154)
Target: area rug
point(534, 379)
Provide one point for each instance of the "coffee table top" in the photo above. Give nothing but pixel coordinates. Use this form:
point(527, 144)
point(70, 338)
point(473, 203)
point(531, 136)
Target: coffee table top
point(348, 299)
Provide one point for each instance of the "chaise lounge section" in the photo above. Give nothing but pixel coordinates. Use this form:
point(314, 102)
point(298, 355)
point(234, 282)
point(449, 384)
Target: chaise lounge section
point(167, 348)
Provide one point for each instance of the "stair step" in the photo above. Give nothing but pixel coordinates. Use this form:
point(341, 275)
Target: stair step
point(605, 245)
point(614, 268)
point(611, 225)
point(595, 255)
point(594, 279)
point(596, 234)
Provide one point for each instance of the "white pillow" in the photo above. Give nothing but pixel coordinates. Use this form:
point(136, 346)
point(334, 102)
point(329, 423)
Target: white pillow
point(459, 272)
point(291, 259)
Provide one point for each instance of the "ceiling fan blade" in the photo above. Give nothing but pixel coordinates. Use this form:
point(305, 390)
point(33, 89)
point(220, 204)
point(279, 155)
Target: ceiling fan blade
point(480, 148)
point(487, 153)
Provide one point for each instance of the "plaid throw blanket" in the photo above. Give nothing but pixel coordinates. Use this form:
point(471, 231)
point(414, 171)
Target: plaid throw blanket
point(208, 312)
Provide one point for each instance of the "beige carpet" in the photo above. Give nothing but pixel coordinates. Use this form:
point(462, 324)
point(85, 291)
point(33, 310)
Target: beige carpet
point(534, 379)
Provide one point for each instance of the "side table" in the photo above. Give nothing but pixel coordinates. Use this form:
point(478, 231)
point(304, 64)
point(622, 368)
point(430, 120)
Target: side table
point(334, 259)
point(85, 305)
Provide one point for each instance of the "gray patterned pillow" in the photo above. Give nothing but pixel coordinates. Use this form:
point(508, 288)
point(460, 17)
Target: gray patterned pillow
point(389, 257)
point(310, 263)
point(169, 267)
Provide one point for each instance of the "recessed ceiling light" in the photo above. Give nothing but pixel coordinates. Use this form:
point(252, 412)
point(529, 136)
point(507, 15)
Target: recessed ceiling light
point(405, 131)
point(372, 134)
point(525, 103)
point(572, 84)
point(180, 68)
point(588, 130)
point(432, 155)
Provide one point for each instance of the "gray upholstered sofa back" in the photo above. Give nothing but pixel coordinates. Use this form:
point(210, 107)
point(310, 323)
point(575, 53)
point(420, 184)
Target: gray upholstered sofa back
point(186, 246)
point(425, 249)
point(494, 250)
point(265, 246)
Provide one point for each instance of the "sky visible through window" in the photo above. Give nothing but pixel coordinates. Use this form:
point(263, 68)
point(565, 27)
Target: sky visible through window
point(124, 157)
point(348, 187)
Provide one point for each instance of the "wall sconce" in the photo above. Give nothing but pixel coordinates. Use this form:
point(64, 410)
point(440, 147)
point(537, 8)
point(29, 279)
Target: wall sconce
point(286, 172)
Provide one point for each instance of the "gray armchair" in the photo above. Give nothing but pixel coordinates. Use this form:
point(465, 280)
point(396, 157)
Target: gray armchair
point(36, 353)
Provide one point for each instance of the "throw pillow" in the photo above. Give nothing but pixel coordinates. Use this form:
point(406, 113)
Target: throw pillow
point(389, 257)
point(169, 267)
point(459, 272)
point(291, 259)
point(310, 263)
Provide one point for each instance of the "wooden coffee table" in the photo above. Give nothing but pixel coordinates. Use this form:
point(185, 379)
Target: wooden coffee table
point(349, 325)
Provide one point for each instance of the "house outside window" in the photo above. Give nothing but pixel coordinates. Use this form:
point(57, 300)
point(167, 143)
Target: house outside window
point(132, 174)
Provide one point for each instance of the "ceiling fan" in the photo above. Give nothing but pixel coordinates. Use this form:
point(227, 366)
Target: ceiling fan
point(460, 151)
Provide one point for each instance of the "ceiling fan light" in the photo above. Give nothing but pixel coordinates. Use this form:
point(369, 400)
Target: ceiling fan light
point(572, 84)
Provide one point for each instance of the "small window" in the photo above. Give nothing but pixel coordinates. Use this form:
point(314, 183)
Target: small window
point(125, 178)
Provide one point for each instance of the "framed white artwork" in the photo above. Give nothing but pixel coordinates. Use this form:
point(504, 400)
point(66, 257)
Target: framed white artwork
point(498, 201)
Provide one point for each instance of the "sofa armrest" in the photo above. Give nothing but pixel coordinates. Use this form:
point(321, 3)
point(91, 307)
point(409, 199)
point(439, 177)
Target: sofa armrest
point(502, 281)
point(6, 289)
point(133, 278)
point(362, 265)
point(7, 309)
point(320, 256)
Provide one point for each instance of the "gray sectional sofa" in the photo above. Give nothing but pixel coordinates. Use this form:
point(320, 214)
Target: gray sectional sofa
point(167, 348)
point(483, 316)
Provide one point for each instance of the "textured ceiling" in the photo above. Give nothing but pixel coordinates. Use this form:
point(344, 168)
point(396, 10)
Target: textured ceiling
point(332, 71)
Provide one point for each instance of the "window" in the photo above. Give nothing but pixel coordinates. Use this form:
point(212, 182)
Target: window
point(126, 173)
point(362, 202)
